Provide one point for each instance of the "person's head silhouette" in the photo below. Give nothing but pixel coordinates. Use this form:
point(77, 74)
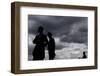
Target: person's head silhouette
point(40, 30)
point(49, 34)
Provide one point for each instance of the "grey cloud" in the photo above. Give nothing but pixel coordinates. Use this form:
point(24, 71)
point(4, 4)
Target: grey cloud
point(67, 28)
point(59, 47)
point(78, 33)
point(52, 23)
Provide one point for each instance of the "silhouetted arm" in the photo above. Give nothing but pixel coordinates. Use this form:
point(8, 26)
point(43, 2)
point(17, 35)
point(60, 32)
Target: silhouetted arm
point(35, 40)
point(54, 43)
point(46, 41)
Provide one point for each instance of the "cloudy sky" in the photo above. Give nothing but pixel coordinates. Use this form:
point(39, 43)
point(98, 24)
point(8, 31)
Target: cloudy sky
point(65, 29)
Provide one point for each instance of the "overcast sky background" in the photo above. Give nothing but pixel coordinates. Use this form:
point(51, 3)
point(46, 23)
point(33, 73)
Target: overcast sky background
point(65, 29)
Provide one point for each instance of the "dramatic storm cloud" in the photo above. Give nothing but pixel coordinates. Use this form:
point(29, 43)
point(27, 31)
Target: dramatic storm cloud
point(68, 29)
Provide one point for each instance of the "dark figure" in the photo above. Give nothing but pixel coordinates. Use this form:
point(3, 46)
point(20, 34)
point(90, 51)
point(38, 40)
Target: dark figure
point(51, 46)
point(40, 41)
point(84, 55)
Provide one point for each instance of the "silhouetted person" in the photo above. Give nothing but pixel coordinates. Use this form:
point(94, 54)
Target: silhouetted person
point(40, 41)
point(51, 46)
point(84, 55)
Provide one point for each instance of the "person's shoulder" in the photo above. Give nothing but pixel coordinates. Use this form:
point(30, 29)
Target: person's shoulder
point(37, 35)
point(52, 38)
point(44, 35)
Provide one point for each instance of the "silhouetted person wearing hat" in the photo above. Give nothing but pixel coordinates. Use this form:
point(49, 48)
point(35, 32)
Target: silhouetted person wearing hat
point(41, 42)
point(51, 46)
point(84, 55)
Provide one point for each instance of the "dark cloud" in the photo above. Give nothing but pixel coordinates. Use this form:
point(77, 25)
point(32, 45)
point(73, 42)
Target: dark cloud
point(66, 28)
point(78, 33)
point(56, 24)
